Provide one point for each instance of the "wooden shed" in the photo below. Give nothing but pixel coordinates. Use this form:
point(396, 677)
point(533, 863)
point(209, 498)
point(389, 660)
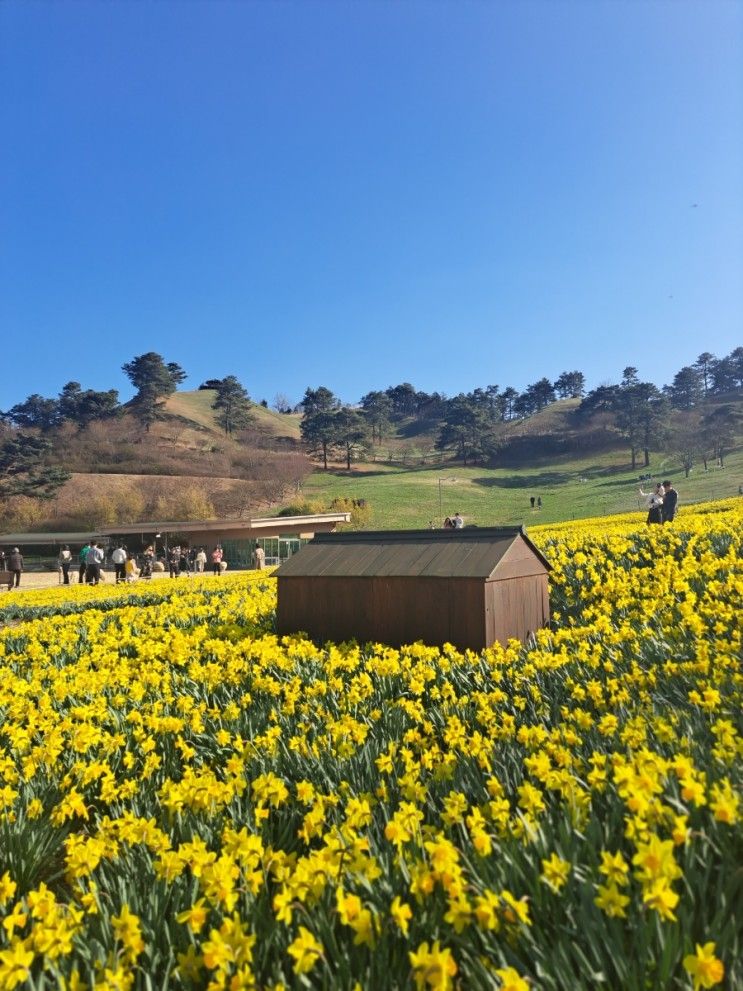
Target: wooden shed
point(466, 587)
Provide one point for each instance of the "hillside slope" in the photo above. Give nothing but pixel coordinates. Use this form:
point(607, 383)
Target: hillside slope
point(195, 406)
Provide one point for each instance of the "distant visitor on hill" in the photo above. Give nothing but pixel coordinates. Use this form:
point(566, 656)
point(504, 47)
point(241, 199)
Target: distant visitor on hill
point(670, 501)
point(532, 501)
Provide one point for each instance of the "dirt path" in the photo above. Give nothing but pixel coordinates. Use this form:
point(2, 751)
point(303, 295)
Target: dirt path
point(50, 579)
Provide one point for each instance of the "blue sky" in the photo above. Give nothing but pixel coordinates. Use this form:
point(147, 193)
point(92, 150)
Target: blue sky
point(356, 194)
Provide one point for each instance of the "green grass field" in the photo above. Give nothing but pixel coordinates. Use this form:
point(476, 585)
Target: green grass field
point(569, 489)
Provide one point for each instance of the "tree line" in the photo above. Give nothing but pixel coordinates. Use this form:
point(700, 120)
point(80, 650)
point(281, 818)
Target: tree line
point(25, 457)
point(470, 425)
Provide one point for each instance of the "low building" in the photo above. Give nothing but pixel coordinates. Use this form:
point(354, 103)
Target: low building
point(467, 587)
point(279, 536)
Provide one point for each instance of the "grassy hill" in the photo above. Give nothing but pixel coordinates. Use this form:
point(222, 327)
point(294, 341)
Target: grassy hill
point(186, 468)
point(195, 407)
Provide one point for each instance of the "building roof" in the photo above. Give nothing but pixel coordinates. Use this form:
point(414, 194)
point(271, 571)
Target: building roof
point(468, 553)
point(225, 526)
point(17, 539)
point(221, 528)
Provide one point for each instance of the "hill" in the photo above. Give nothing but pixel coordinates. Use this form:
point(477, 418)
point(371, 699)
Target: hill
point(195, 407)
point(185, 467)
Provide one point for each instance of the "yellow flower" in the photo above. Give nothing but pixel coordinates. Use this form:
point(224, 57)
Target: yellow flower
point(661, 897)
point(706, 970)
point(433, 968)
point(7, 888)
point(611, 901)
point(459, 914)
point(306, 951)
point(196, 916)
point(725, 803)
point(555, 872)
point(654, 860)
point(614, 868)
point(511, 980)
point(14, 920)
point(128, 931)
point(487, 906)
point(15, 963)
point(516, 909)
point(402, 914)
point(218, 951)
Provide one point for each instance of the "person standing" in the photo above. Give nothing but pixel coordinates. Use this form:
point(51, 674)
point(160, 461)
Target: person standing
point(64, 561)
point(174, 561)
point(83, 559)
point(118, 558)
point(259, 558)
point(532, 501)
point(670, 502)
point(201, 560)
point(216, 557)
point(94, 561)
point(539, 502)
point(655, 504)
point(148, 559)
point(15, 564)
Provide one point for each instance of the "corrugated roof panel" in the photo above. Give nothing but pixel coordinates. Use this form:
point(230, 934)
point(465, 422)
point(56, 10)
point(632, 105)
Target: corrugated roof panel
point(434, 553)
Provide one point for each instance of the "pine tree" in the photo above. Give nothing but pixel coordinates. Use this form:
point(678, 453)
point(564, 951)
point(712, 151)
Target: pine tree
point(232, 405)
point(154, 381)
point(23, 468)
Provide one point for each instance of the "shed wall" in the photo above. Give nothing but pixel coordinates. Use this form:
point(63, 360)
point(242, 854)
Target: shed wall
point(516, 607)
point(393, 611)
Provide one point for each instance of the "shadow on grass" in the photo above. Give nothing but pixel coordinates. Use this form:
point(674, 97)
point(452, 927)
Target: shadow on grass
point(525, 481)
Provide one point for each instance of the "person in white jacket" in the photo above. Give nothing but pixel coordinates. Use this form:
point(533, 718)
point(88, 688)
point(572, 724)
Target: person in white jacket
point(654, 503)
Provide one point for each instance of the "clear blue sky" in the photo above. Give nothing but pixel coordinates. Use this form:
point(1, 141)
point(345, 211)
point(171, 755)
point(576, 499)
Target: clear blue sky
point(358, 193)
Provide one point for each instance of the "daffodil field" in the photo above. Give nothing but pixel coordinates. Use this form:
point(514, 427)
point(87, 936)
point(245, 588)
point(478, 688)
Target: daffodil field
point(187, 801)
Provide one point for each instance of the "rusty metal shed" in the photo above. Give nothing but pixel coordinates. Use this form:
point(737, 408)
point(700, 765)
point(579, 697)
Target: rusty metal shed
point(466, 587)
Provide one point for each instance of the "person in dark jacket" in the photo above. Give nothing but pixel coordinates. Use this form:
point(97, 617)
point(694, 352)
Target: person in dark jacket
point(670, 501)
point(15, 564)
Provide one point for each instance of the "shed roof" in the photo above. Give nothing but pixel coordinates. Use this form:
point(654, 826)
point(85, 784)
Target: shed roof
point(468, 553)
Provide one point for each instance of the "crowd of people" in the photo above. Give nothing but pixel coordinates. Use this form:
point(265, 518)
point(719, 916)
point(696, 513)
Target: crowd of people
point(126, 565)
